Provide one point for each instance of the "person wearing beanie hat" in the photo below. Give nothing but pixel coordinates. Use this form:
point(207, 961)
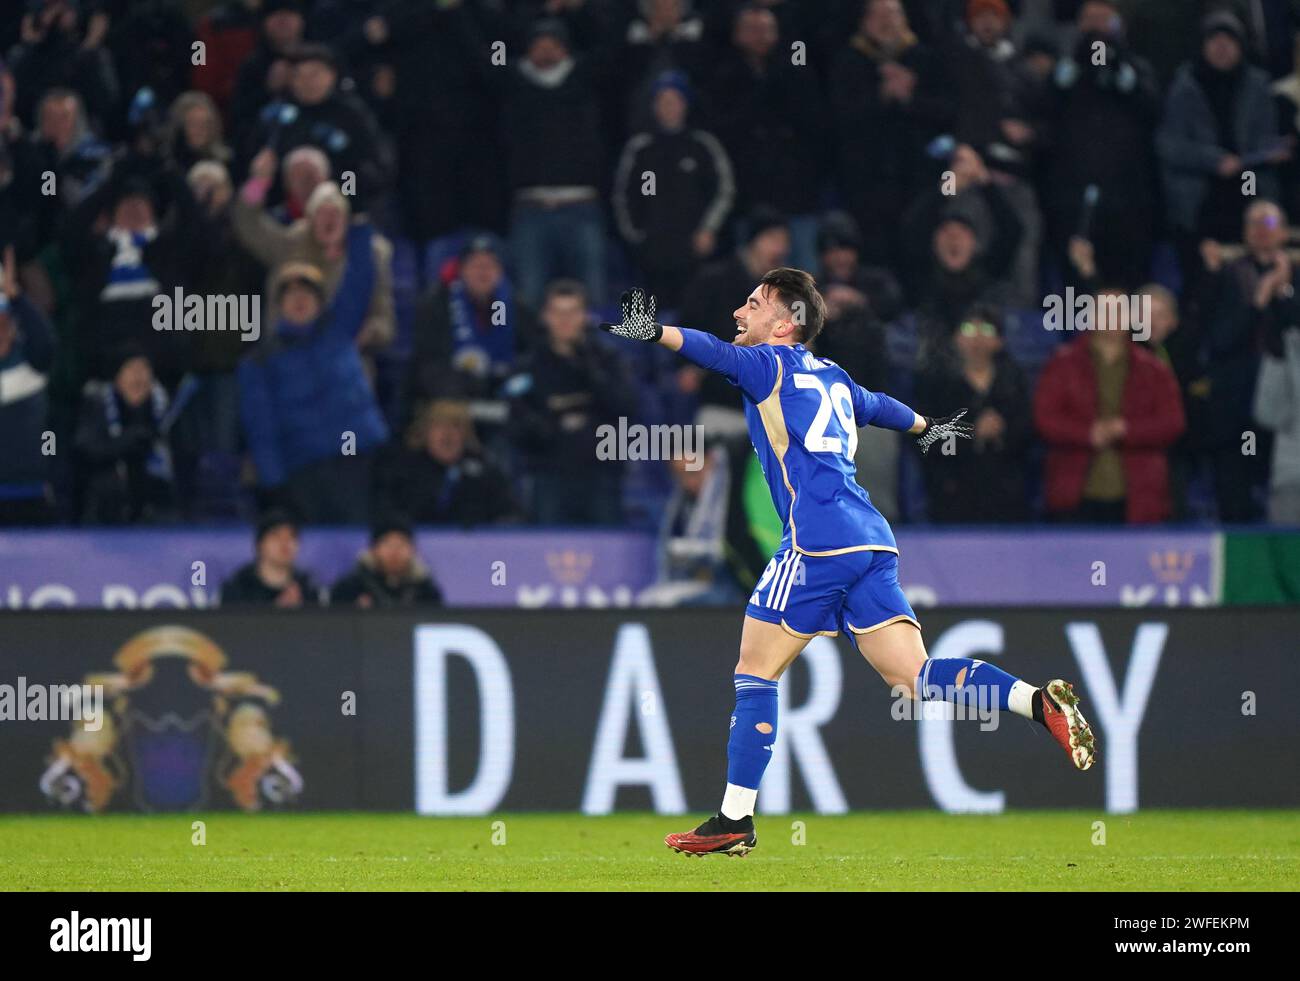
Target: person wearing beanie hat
point(304, 388)
point(273, 578)
point(314, 110)
point(672, 231)
point(1219, 122)
point(389, 574)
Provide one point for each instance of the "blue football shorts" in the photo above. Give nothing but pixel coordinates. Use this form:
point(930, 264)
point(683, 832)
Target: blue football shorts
point(824, 594)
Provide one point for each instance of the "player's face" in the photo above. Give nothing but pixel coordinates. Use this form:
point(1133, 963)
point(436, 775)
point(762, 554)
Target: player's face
point(759, 318)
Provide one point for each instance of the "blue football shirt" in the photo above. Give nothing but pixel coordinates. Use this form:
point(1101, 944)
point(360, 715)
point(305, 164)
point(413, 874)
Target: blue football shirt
point(803, 413)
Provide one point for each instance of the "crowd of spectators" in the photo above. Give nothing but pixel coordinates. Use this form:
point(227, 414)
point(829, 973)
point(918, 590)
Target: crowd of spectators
point(430, 202)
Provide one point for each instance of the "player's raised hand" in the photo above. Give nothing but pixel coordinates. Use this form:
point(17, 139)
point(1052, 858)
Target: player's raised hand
point(638, 317)
point(937, 429)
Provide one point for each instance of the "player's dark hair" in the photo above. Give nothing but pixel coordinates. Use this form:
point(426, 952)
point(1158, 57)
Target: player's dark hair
point(797, 290)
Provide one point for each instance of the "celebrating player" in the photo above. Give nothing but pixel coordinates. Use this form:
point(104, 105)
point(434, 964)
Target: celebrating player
point(837, 565)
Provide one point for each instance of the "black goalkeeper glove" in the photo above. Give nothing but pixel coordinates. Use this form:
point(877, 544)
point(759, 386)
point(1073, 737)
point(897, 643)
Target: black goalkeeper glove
point(937, 429)
point(638, 317)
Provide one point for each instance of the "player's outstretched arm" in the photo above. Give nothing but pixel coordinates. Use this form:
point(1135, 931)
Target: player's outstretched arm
point(884, 412)
point(935, 430)
point(753, 370)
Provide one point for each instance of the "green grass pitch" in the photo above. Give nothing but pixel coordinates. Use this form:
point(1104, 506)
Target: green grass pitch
point(1158, 850)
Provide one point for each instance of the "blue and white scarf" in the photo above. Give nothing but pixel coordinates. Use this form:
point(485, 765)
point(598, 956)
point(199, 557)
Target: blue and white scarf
point(487, 350)
point(159, 464)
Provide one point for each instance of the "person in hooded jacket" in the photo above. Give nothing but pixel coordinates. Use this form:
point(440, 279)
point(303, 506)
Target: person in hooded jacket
point(310, 417)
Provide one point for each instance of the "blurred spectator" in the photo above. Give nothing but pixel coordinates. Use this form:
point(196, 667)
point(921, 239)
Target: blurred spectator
point(662, 36)
point(151, 46)
point(61, 47)
point(445, 94)
point(229, 33)
point(714, 294)
point(1177, 348)
point(1105, 107)
point(272, 578)
point(469, 332)
point(675, 224)
point(1108, 411)
point(265, 74)
point(1239, 291)
point(26, 353)
point(441, 476)
point(1277, 394)
point(223, 267)
point(320, 239)
point(65, 145)
point(693, 566)
point(951, 266)
point(124, 254)
point(891, 96)
point(769, 114)
point(568, 388)
point(317, 112)
point(983, 481)
point(557, 227)
point(389, 573)
point(859, 301)
point(997, 99)
point(123, 454)
point(1219, 122)
point(303, 169)
point(1286, 98)
point(1002, 111)
point(310, 418)
point(196, 131)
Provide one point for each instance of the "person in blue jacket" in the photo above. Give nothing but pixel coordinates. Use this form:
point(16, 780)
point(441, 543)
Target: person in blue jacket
point(310, 417)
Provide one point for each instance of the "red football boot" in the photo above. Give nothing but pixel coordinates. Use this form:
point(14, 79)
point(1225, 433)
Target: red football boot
point(710, 838)
point(1066, 723)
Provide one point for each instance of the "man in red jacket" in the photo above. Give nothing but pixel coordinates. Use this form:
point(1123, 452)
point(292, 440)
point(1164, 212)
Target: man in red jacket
point(1108, 411)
